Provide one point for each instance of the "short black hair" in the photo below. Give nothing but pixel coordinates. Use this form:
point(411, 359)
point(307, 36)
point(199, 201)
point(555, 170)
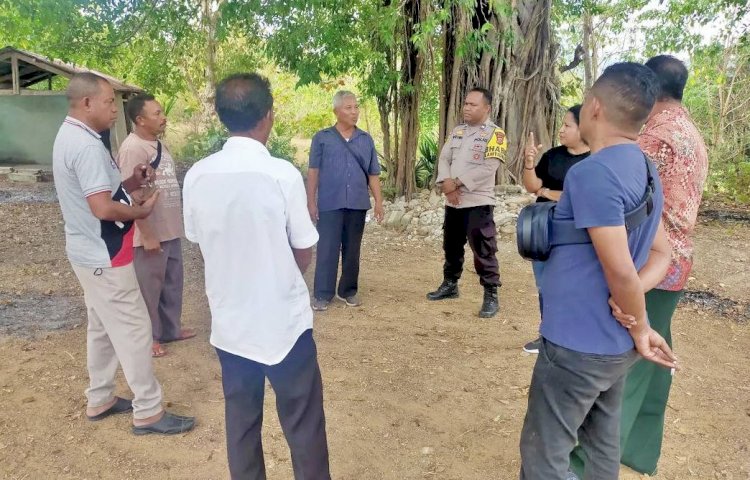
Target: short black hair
point(84, 84)
point(628, 91)
point(135, 104)
point(485, 93)
point(672, 75)
point(242, 100)
point(575, 110)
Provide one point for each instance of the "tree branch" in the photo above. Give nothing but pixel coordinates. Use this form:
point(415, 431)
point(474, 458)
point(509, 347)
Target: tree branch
point(577, 59)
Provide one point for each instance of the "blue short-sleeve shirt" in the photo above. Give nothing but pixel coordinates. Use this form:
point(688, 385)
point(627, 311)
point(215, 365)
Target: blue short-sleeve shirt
point(598, 191)
point(343, 179)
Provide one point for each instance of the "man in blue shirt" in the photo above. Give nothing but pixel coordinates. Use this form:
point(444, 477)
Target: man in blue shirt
point(577, 383)
point(343, 163)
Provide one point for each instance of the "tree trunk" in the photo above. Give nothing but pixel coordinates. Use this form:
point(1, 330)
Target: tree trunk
point(588, 52)
point(518, 69)
point(412, 70)
point(210, 14)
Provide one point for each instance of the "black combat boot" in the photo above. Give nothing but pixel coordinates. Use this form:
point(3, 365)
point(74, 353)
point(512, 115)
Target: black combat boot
point(490, 304)
point(447, 289)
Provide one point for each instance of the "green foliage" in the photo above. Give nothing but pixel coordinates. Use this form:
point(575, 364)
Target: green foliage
point(310, 48)
point(281, 147)
point(427, 162)
point(314, 122)
point(203, 144)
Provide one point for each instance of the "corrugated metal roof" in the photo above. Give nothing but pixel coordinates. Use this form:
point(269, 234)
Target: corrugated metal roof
point(35, 68)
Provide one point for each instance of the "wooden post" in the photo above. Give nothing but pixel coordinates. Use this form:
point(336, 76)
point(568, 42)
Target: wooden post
point(14, 72)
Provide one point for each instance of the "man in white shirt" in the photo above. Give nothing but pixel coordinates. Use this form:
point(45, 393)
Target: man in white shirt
point(248, 212)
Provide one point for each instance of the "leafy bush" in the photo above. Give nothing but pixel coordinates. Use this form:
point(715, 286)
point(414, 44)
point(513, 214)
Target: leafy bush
point(427, 161)
point(203, 144)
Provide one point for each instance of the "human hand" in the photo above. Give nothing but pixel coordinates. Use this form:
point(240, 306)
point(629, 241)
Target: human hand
point(654, 348)
point(379, 212)
point(143, 194)
point(531, 150)
point(449, 185)
point(627, 321)
point(145, 172)
point(454, 197)
point(151, 245)
point(144, 210)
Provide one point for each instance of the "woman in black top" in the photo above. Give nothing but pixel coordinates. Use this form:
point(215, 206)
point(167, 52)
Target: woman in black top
point(545, 180)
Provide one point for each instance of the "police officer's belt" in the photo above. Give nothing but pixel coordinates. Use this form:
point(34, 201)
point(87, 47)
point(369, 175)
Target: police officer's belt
point(537, 231)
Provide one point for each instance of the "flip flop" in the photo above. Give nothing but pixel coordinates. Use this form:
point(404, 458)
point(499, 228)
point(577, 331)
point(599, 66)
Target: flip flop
point(183, 336)
point(168, 424)
point(157, 351)
point(121, 405)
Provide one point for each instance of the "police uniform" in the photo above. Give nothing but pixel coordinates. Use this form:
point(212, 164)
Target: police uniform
point(472, 154)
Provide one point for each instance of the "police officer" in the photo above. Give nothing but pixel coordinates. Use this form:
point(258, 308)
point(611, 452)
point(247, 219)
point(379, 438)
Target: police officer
point(466, 175)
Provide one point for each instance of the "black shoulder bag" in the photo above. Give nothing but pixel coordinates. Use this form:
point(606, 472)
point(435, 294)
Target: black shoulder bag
point(537, 231)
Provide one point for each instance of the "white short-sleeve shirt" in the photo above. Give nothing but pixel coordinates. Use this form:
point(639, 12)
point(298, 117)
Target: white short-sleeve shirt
point(247, 210)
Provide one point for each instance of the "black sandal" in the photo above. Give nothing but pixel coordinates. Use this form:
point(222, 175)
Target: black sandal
point(168, 424)
point(121, 405)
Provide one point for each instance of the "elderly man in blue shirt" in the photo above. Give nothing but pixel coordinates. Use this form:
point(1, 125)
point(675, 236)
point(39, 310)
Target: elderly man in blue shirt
point(343, 164)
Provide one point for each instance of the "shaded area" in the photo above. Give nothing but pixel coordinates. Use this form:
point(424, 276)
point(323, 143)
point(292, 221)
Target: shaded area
point(11, 192)
point(28, 315)
point(725, 307)
point(734, 216)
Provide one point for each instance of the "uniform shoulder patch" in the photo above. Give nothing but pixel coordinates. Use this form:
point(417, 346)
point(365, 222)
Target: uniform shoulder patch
point(497, 145)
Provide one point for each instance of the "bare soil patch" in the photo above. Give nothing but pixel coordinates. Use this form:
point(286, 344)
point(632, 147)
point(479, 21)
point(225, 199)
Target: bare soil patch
point(413, 389)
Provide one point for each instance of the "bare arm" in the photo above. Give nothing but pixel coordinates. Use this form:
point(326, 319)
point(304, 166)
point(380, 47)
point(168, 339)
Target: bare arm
point(626, 288)
point(313, 176)
point(611, 245)
point(303, 257)
point(531, 182)
point(553, 195)
point(651, 274)
point(658, 261)
point(148, 237)
point(104, 208)
point(374, 181)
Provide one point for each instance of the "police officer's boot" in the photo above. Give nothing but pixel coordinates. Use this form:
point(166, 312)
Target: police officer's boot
point(490, 304)
point(447, 289)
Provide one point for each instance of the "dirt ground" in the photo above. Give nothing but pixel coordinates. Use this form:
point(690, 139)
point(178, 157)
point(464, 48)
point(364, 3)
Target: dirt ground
point(413, 390)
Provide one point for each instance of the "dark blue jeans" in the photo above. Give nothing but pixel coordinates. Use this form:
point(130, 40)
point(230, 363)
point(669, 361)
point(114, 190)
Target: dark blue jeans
point(574, 398)
point(299, 403)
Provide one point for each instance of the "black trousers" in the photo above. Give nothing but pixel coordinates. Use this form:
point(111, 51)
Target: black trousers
point(476, 224)
point(573, 398)
point(299, 402)
point(340, 234)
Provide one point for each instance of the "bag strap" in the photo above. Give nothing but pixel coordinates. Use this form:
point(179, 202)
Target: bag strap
point(565, 233)
point(356, 156)
point(638, 215)
point(155, 163)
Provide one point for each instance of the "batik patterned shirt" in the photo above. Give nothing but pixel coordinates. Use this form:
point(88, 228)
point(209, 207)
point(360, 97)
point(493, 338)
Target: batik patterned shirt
point(672, 141)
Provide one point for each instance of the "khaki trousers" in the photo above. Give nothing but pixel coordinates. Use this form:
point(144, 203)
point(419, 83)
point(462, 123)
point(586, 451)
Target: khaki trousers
point(119, 331)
